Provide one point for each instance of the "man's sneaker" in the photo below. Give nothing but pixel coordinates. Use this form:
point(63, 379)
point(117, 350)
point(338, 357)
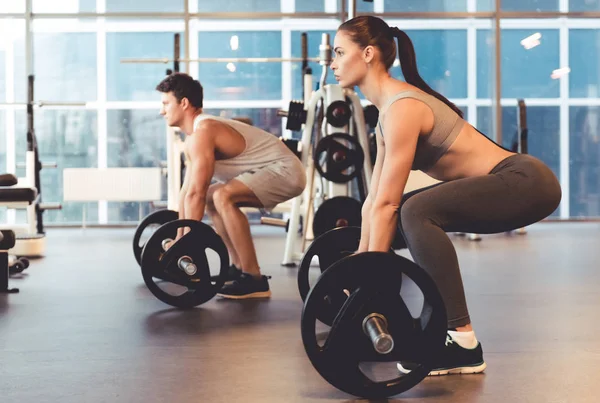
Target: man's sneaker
point(455, 360)
point(246, 286)
point(233, 273)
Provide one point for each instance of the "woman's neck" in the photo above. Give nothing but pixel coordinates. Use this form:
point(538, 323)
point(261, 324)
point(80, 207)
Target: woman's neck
point(376, 88)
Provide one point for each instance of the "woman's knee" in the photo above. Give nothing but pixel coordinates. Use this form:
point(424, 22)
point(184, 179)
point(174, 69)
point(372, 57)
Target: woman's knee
point(414, 215)
point(410, 212)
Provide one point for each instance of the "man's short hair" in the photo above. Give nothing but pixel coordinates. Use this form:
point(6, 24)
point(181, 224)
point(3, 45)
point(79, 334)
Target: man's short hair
point(183, 86)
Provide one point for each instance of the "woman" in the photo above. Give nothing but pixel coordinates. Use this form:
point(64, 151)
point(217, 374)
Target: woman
point(485, 188)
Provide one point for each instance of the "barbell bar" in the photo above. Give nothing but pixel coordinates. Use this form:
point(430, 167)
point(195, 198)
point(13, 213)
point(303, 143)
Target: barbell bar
point(223, 60)
point(47, 103)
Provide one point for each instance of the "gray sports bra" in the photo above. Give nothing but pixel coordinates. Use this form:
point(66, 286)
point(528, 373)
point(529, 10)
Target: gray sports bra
point(446, 126)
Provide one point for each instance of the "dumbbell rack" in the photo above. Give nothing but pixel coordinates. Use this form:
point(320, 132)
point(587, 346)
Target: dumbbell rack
point(303, 115)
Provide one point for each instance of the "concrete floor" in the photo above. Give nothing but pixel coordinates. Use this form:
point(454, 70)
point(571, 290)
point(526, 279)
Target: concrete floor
point(84, 327)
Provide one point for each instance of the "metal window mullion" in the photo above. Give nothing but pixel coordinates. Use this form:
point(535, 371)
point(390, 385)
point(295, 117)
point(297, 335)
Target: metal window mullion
point(564, 144)
point(102, 97)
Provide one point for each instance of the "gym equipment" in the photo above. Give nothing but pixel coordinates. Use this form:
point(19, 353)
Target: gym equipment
point(7, 241)
point(277, 222)
point(329, 248)
point(398, 242)
point(338, 114)
point(177, 59)
point(339, 157)
point(296, 115)
point(17, 265)
point(340, 211)
point(184, 263)
point(325, 112)
point(375, 324)
point(293, 145)
point(371, 114)
point(26, 194)
point(159, 217)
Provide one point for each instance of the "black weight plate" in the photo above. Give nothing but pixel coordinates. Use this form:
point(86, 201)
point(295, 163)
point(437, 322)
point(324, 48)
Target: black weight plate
point(371, 114)
point(24, 262)
point(159, 217)
point(339, 211)
point(296, 116)
point(374, 281)
point(338, 114)
point(329, 248)
point(339, 157)
point(373, 147)
point(398, 242)
point(160, 264)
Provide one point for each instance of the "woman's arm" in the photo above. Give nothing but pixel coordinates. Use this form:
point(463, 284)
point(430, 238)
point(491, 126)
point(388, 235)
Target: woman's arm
point(403, 122)
point(368, 203)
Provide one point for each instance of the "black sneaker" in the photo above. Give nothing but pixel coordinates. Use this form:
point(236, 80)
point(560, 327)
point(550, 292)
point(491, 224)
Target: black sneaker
point(455, 360)
point(246, 286)
point(233, 273)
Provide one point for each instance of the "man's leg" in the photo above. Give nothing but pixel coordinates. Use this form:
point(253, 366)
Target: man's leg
point(227, 201)
point(220, 225)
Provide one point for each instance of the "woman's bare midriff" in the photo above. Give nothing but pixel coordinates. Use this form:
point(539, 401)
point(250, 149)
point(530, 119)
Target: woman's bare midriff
point(471, 154)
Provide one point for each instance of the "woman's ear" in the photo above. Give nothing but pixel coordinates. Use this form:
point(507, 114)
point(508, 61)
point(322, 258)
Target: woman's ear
point(369, 54)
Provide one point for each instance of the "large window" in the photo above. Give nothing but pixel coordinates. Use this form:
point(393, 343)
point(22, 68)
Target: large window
point(543, 123)
point(65, 67)
point(441, 60)
point(240, 81)
point(424, 5)
point(2, 76)
point(584, 50)
point(484, 63)
point(238, 6)
point(12, 60)
point(527, 72)
point(13, 6)
point(69, 138)
point(584, 151)
point(310, 6)
point(313, 39)
point(364, 6)
point(264, 118)
point(529, 5)
point(584, 5)
point(136, 82)
point(137, 138)
point(486, 5)
point(109, 115)
point(62, 6)
point(2, 141)
point(146, 6)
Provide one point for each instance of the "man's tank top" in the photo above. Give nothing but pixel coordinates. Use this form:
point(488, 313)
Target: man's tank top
point(262, 148)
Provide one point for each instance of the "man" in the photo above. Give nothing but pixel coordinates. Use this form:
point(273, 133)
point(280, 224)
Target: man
point(252, 168)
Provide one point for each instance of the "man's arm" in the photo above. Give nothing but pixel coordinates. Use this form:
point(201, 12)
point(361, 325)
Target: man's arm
point(368, 203)
point(182, 193)
point(201, 149)
point(402, 128)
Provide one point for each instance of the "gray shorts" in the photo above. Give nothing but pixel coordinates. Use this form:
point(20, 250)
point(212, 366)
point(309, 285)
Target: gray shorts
point(277, 182)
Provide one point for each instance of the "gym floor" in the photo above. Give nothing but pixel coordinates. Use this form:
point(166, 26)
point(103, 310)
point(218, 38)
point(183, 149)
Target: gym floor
point(84, 327)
